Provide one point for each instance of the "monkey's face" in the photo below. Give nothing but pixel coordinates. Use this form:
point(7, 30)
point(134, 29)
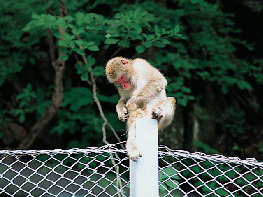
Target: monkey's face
point(117, 71)
point(124, 82)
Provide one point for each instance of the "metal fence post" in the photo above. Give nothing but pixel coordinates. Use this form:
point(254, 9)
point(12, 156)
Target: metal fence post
point(144, 172)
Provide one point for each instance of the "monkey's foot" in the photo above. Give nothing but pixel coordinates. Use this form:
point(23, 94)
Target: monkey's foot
point(134, 154)
point(157, 113)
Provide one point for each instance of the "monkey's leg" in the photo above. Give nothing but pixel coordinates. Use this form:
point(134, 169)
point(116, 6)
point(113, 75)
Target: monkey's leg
point(165, 112)
point(131, 145)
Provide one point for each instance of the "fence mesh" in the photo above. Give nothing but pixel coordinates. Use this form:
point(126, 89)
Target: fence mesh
point(104, 171)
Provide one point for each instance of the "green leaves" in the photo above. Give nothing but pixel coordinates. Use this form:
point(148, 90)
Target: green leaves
point(140, 26)
point(25, 99)
point(41, 21)
point(229, 82)
point(244, 85)
point(80, 18)
point(111, 41)
point(76, 98)
point(93, 48)
point(84, 69)
point(73, 36)
point(180, 92)
point(140, 49)
point(98, 71)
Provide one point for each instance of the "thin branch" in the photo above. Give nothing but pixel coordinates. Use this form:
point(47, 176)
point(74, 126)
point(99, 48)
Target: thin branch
point(117, 51)
point(94, 88)
point(104, 138)
point(94, 91)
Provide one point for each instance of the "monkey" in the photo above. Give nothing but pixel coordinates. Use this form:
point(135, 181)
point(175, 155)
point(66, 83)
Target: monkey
point(142, 94)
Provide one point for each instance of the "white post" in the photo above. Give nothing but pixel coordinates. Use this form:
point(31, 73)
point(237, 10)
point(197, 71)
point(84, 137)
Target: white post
point(144, 172)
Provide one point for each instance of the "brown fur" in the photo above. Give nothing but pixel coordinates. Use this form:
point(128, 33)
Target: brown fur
point(145, 98)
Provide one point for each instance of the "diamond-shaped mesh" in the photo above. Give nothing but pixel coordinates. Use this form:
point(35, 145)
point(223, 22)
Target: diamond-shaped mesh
point(196, 174)
point(104, 171)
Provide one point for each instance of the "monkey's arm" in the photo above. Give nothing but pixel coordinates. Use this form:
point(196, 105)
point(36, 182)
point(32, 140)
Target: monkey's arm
point(148, 89)
point(121, 106)
point(148, 82)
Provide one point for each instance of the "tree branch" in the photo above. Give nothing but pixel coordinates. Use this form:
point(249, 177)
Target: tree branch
point(57, 96)
point(94, 91)
point(104, 138)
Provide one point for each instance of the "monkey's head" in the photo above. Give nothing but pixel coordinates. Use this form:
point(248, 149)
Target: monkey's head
point(118, 72)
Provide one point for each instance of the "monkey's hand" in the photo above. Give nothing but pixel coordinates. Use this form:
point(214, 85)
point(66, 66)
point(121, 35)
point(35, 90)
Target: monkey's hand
point(122, 113)
point(157, 113)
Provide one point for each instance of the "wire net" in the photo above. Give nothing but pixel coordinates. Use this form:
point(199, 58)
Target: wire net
point(104, 171)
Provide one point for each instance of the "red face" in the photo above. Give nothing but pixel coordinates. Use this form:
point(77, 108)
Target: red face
point(124, 82)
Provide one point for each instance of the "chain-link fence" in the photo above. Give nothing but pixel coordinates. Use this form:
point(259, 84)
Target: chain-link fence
point(105, 172)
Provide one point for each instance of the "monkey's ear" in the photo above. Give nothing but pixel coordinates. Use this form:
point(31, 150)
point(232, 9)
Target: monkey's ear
point(124, 62)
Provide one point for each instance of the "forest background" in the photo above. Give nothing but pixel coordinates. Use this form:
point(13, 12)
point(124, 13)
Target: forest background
point(53, 89)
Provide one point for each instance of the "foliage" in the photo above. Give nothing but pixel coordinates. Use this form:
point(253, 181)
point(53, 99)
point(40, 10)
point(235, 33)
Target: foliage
point(196, 44)
point(25, 99)
point(213, 72)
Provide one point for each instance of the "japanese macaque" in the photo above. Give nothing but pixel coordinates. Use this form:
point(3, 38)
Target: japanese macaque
point(142, 94)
